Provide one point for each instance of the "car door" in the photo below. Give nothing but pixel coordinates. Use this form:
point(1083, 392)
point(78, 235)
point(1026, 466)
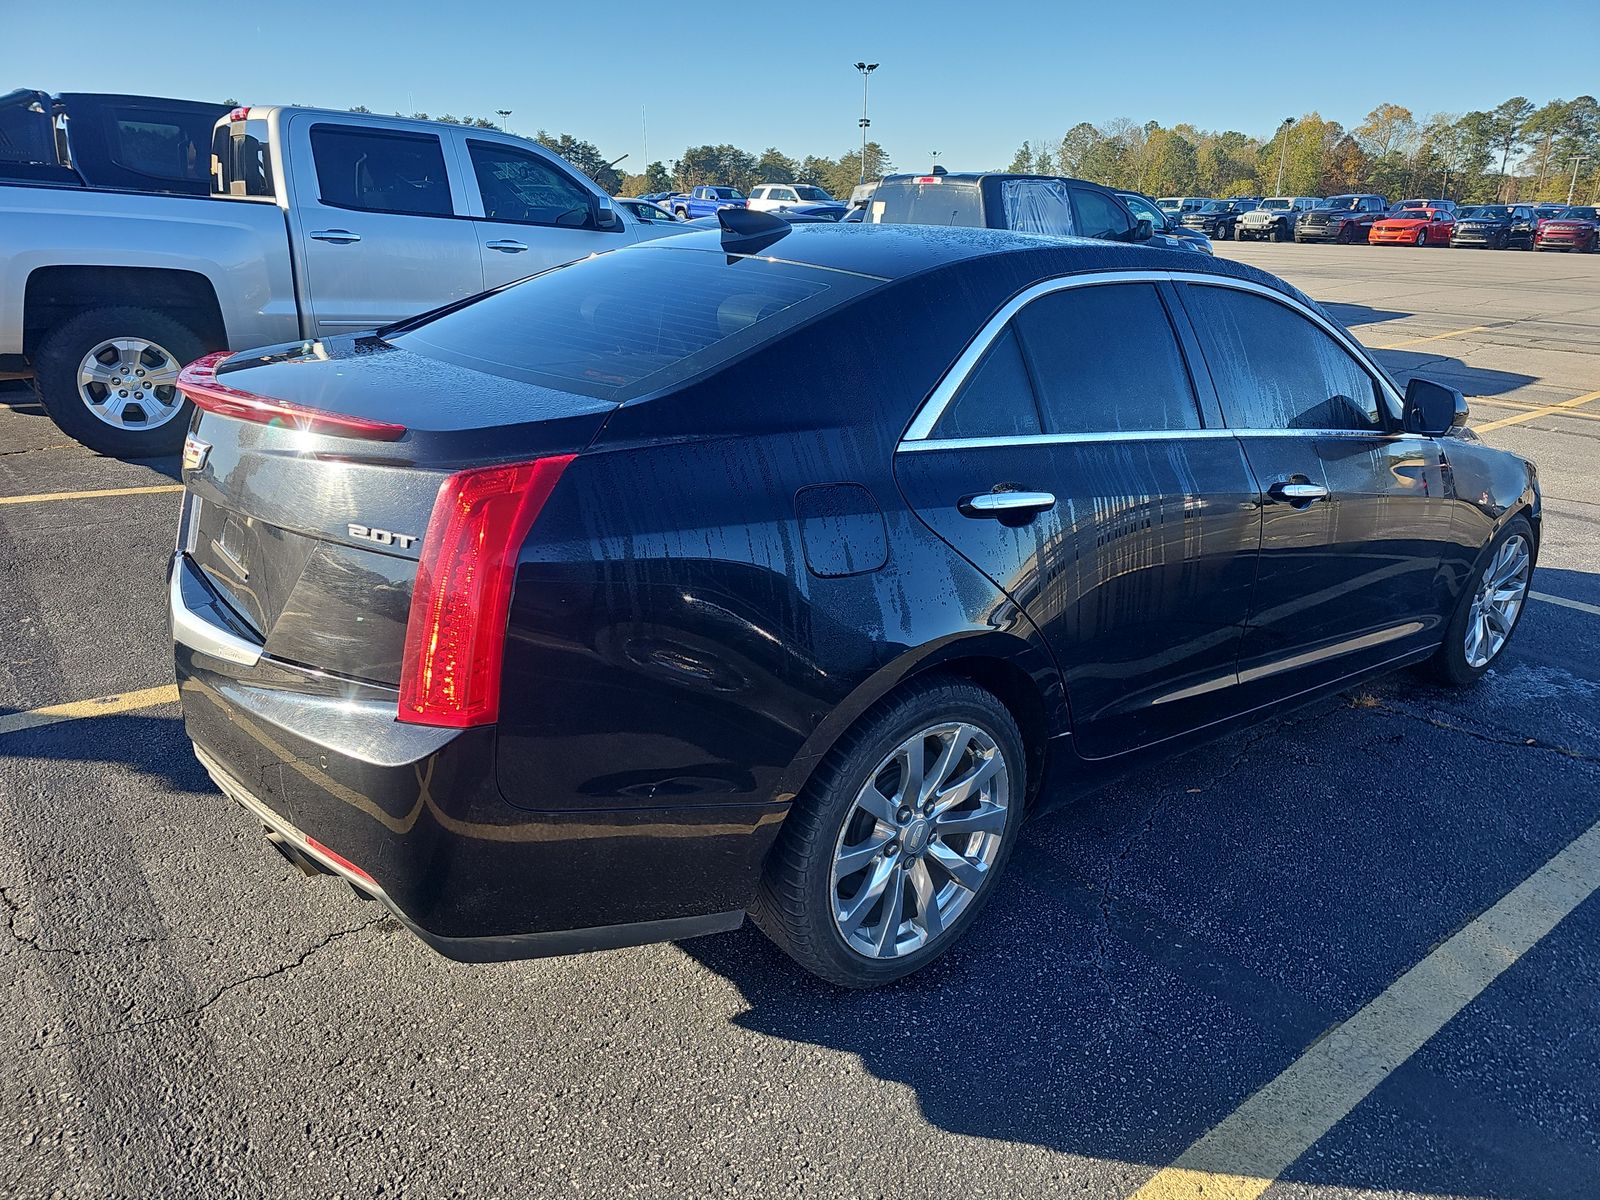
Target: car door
point(528, 211)
point(1067, 457)
point(380, 224)
point(1355, 512)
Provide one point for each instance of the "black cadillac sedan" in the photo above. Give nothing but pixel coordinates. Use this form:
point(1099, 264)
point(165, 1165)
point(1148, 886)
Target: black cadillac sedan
point(784, 570)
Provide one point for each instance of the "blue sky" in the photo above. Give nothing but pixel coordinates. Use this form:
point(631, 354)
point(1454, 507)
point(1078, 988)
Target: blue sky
point(971, 80)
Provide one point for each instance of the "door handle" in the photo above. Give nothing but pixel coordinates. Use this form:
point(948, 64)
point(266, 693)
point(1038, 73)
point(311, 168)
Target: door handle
point(339, 237)
point(1007, 507)
point(507, 247)
point(1297, 493)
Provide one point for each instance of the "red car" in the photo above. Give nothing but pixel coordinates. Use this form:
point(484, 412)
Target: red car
point(1413, 227)
point(1576, 228)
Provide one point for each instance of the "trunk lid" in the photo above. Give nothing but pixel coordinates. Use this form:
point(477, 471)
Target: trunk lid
point(313, 540)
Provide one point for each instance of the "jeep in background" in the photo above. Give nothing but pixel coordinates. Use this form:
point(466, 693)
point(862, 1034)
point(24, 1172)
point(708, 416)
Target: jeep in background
point(1275, 218)
point(1219, 218)
point(1343, 219)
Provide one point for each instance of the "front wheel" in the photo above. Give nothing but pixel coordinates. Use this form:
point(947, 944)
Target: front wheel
point(1489, 609)
point(1422, 237)
point(108, 377)
point(893, 848)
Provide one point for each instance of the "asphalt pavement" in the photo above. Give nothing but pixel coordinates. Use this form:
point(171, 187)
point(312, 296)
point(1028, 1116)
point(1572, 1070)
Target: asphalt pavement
point(184, 1014)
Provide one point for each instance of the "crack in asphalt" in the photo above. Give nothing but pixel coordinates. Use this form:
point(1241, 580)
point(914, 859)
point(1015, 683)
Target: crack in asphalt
point(1493, 737)
point(14, 910)
point(196, 1009)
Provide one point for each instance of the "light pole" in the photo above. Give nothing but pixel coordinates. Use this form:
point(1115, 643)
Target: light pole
point(1573, 186)
point(504, 114)
point(866, 70)
point(1283, 149)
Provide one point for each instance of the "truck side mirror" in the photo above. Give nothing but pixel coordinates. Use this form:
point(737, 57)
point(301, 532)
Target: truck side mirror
point(1143, 230)
point(603, 216)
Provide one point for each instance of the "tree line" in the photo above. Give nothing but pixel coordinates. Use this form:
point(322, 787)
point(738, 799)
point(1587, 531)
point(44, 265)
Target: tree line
point(1514, 151)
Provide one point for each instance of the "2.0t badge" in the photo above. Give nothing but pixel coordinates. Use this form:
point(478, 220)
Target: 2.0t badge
point(382, 537)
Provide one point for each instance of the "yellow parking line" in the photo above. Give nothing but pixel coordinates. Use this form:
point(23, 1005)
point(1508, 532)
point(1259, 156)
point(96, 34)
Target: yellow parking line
point(42, 497)
point(1526, 407)
point(1434, 337)
point(101, 706)
point(1543, 410)
point(1242, 1157)
point(1592, 609)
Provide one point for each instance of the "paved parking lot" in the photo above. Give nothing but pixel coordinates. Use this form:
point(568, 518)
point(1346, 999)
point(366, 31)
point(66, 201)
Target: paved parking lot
point(184, 1014)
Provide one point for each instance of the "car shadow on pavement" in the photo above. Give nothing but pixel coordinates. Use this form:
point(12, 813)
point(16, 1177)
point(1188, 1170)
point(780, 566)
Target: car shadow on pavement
point(1441, 368)
point(153, 746)
point(1361, 314)
point(1163, 948)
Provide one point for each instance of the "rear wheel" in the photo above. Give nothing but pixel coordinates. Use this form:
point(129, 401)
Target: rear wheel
point(894, 847)
point(108, 377)
point(1490, 608)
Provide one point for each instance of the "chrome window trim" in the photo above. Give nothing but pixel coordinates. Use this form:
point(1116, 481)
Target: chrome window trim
point(918, 435)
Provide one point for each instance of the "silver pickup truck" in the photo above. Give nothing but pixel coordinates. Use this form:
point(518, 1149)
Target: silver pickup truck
point(318, 222)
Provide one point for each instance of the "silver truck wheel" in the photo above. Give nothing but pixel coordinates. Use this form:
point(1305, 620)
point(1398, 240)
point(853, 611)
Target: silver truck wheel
point(130, 383)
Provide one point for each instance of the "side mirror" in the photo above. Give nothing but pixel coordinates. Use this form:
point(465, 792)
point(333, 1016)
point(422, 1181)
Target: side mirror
point(603, 216)
point(1143, 231)
point(1433, 409)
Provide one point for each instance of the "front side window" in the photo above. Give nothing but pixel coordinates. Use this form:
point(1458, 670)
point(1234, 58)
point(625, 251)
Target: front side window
point(814, 194)
point(1106, 360)
point(1143, 208)
point(1275, 369)
point(380, 170)
point(1099, 216)
point(997, 398)
point(525, 188)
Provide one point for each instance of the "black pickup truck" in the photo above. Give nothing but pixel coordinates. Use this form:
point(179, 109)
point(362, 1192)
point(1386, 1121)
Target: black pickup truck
point(123, 143)
point(1342, 219)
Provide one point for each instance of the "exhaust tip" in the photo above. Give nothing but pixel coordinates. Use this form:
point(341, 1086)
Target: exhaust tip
point(308, 866)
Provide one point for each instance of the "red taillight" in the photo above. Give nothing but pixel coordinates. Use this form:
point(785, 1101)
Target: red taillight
point(239, 114)
point(456, 635)
point(198, 381)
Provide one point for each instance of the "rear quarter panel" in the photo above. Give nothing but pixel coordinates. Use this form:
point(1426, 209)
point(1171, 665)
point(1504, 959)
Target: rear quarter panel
point(679, 636)
point(241, 247)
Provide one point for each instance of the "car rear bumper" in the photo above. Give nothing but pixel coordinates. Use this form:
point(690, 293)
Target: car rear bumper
point(414, 817)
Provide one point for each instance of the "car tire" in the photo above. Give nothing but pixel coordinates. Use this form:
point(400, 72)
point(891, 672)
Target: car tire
point(118, 336)
point(1455, 663)
point(799, 902)
point(1422, 237)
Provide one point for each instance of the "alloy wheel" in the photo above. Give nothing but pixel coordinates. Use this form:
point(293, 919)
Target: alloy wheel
point(918, 843)
point(1501, 591)
point(130, 383)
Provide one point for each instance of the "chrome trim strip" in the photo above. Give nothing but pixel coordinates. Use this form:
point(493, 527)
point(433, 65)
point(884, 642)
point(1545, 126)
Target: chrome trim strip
point(1065, 439)
point(191, 628)
point(921, 427)
point(1004, 502)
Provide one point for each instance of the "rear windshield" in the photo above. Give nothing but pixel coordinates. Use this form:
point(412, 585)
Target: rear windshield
point(622, 324)
point(912, 202)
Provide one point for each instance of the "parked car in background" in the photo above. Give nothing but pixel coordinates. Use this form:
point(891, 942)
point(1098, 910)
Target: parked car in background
point(1176, 206)
point(1574, 228)
point(647, 211)
point(1448, 206)
point(1343, 219)
point(1543, 212)
point(1047, 204)
point(630, 661)
point(126, 143)
point(862, 192)
point(1413, 227)
point(321, 222)
point(1218, 218)
point(1275, 218)
point(704, 201)
point(1165, 230)
point(768, 197)
point(1495, 227)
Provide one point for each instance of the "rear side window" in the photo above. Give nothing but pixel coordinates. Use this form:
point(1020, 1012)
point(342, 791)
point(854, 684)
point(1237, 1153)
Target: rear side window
point(997, 398)
point(1274, 369)
point(381, 171)
point(619, 325)
point(1106, 360)
point(1037, 206)
point(909, 202)
point(522, 187)
point(1099, 216)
